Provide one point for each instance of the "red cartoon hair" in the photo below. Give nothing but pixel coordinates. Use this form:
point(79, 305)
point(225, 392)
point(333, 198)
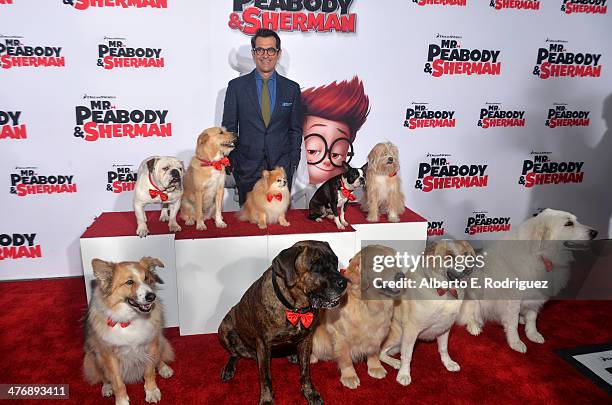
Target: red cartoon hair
point(345, 102)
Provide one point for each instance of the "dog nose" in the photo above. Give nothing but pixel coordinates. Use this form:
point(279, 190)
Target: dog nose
point(593, 233)
point(150, 297)
point(340, 283)
point(390, 159)
point(399, 276)
point(175, 173)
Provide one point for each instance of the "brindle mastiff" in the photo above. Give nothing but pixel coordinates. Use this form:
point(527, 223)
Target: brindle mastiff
point(280, 311)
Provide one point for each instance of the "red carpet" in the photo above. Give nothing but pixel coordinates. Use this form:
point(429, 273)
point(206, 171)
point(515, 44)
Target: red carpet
point(41, 342)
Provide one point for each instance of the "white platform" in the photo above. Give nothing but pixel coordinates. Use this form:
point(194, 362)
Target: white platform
point(207, 272)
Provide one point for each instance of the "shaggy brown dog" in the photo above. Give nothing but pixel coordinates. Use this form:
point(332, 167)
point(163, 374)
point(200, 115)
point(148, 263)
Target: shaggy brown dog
point(383, 192)
point(357, 328)
point(269, 200)
point(280, 311)
point(205, 179)
point(124, 341)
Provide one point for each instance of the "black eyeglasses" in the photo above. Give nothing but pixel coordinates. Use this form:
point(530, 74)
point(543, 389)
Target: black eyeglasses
point(269, 51)
point(317, 150)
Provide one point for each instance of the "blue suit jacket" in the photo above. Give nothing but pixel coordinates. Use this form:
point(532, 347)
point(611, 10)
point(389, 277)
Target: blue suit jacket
point(257, 147)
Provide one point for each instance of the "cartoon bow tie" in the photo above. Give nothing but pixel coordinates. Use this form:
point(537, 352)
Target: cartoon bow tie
point(451, 291)
point(295, 317)
point(278, 196)
point(217, 164)
point(154, 193)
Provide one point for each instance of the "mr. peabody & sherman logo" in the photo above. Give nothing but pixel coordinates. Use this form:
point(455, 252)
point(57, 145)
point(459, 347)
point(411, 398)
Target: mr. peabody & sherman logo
point(561, 116)
point(18, 246)
point(293, 15)
point(10, 126)
point(15, 54)
point(481, 222)
point(494, 115)
point(540, 170)
point(439, 174)
point(26, 181)
point(101, 119)
point(420, 115)
point(449, 57)
point(114, 53)
point(85, 4)
point(121, 178)
point(584, 6)
point(556, 61)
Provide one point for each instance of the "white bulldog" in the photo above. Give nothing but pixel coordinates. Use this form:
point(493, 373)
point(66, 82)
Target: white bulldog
point(160, 180)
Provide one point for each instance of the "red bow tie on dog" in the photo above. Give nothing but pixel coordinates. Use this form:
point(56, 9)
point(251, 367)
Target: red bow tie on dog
point(451, 291)
point(112, 323)
point(278, 196)
point(346, 192)
point(293, 317)
point(217, 164)
point(155, 191)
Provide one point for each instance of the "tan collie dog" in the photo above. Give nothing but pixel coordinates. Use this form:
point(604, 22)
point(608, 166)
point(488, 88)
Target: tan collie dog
point(357, 328)
point(205, 180)
point(123, 329)
point(269, 200)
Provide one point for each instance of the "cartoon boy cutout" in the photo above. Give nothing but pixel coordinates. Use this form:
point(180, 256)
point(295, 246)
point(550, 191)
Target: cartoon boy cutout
point(332, 116)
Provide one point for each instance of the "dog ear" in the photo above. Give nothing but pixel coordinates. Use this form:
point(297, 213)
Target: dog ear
point(151, 264)
point(151, 164)
point(103, 271)
point(284, 264)
point(265, 174)
point(365, 168)
point(203, 138)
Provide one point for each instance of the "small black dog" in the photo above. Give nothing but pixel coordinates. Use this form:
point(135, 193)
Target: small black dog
point(335, 193)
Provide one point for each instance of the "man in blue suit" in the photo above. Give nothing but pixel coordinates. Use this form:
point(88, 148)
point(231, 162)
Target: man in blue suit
point(264, 109)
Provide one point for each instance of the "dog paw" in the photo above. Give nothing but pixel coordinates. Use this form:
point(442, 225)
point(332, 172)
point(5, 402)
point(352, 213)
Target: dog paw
point(165, 371)
point(227, 373)
point(189, 221)
point(404, 379)
point(377, 372)
point(200, 226)
point(340, 226)
point(474, 329)
point(284, 223)
point(313, 359)
point(393, 217)
point(262, 226)
point(344, 223)
point(372, 218)
point(107, 390)
point(142, 231)
point(535, 337)
point(122, 401)
point(152, 395)
point(518, 346)
point(319, 219)
point(174, 227)
point(220, 224)
point(395, 363)
point(351, 381)
point(164, 217)
point(451, 365)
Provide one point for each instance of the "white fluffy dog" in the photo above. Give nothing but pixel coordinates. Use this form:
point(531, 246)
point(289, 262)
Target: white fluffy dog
point(539, 259)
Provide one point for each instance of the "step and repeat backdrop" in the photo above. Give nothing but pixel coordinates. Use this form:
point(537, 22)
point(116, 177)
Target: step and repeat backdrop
point(499, 108)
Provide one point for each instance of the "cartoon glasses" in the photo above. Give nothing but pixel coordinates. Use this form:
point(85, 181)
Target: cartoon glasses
point(341, 150)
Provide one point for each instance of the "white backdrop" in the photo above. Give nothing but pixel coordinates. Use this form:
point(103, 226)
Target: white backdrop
point(201, 52)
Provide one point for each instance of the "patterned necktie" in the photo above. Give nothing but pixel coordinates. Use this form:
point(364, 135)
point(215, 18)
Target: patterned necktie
point(265, 102)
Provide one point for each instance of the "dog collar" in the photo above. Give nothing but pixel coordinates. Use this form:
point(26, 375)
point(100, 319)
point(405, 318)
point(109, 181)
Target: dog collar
point(155, 191)
point(217, 164)
point(112, 323)
point(547, 263)
point(278, 196)
point(346, 192)
point(293, 315)
point(393, 174)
